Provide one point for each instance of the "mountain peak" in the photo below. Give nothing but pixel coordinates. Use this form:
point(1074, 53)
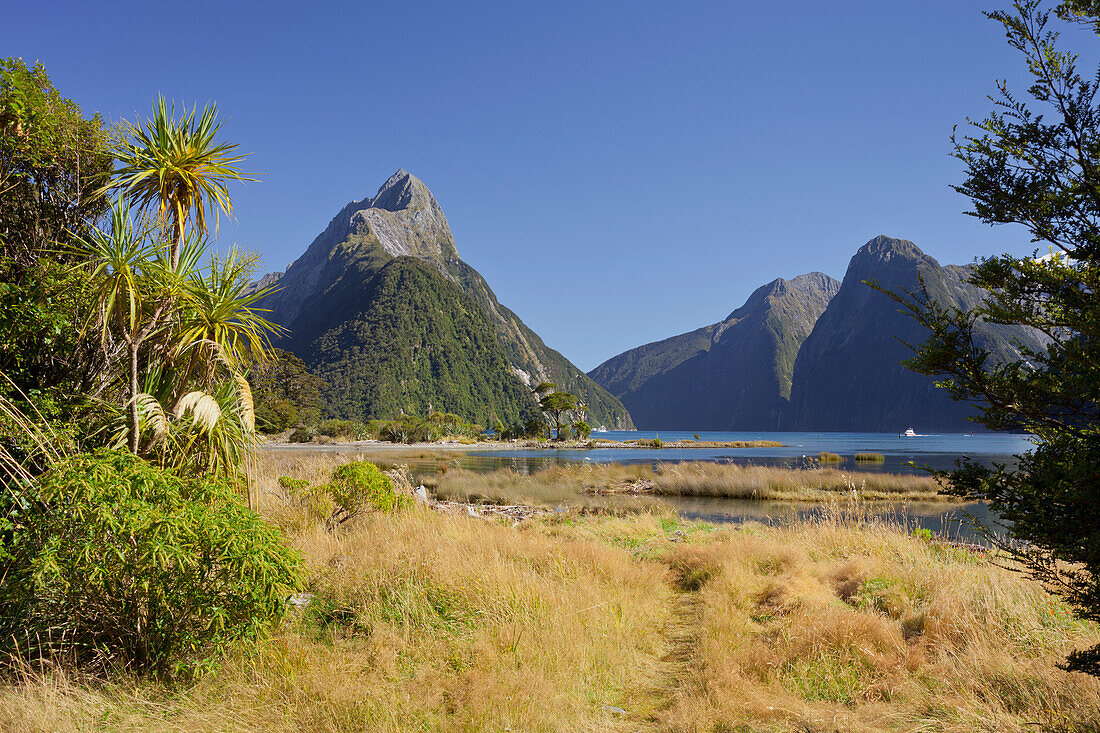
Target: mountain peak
point(403, 191)
point(885, 248)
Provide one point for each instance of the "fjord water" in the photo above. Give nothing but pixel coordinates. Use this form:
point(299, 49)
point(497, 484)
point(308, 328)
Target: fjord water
point(902, 454)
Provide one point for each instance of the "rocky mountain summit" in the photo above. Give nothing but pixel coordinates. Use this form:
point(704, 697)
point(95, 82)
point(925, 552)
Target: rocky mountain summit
point(810, 354)
point(382, 307)
point(848, 375)
point(733, 374)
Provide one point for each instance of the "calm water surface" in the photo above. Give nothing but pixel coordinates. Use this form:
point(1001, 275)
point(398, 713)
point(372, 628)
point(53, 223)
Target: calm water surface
point(903, 455)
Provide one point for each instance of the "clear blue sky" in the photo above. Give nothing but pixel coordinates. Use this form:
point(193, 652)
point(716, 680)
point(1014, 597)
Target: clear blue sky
point(619, 171)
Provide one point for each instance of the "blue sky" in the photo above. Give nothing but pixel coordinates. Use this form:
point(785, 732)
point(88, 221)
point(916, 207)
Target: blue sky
point(619, 171)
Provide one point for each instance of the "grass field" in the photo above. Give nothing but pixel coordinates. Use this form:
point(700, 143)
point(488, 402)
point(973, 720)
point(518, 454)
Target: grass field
point(422, 621)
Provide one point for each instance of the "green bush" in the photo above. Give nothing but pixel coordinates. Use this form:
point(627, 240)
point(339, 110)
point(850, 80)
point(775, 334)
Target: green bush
point(116, 562)
point(419, 429)
point(582, 429)
point(358, 486)
point(301, 435)
point(352, 429)
point(870, 457)
point(315, 500)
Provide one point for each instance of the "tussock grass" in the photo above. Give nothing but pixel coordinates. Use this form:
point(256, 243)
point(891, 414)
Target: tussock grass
point(853, 625)
point(827, 457)
point(561, 484)
point(425, 621)
point(870, 458)
point(420, 621)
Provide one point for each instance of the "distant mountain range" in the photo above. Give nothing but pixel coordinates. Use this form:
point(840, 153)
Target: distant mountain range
point(810, 354)
point(382, 307)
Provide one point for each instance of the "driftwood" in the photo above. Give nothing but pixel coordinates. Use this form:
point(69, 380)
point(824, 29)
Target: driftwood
point(516, 512)
point(633, 488)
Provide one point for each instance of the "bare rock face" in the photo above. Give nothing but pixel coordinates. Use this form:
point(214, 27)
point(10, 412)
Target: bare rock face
point(812, 354)
point(404, 220)
point(731, 375)
point(407, 220)
point(403, 217)
point(849, 376)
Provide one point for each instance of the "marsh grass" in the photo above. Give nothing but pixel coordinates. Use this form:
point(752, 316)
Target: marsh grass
point(565, 483)
point(870, 458)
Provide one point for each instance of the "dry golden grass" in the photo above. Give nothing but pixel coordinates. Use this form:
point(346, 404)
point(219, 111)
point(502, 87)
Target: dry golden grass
point(420, 621)
point(561, 484)
point(767, 482)
point(834, 627)
point(424, 621)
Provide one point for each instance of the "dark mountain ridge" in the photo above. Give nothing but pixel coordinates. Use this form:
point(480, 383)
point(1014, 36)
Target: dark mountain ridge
point(848, 375)
point(810, 354)
point(733, 374)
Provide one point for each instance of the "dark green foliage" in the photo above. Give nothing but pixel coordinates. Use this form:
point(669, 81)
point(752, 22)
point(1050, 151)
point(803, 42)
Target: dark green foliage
point(555, 405)
point(52, 162)
point(285, 394)
point(533, 428)
point(418, 429)
point(582, 429)
point(115, 562)
point(1040, 172)
point(526, 350)
point(345, 429)
point(409, 341)
point(302, 435)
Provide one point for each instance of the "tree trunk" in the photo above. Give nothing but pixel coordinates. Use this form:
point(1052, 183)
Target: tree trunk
point(134, 418)
point(177, 245)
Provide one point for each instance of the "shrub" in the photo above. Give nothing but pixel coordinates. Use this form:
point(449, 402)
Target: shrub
point(870, 457)
point(657, 443)
point(301, 435)
point(582, 429)
point(115, 561)
point(827, 457)
point(358, 486)
point(347, 429)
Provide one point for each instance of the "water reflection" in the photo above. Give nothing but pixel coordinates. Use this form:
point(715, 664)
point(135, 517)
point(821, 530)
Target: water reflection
point(951, 521)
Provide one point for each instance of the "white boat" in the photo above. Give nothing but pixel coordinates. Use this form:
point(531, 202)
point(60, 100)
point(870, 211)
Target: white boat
point(907, 434)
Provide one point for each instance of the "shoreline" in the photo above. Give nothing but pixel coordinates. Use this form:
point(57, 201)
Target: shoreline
point(502, 445)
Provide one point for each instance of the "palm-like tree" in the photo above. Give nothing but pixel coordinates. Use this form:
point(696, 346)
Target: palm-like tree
point(176, 166)
point(217, 320)
point(126, 291)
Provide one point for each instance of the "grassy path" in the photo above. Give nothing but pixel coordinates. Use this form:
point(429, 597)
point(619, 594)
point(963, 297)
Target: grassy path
point(676, 672)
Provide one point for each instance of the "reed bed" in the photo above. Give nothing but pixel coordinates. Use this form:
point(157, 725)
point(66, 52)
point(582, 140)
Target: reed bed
point(564, 483)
